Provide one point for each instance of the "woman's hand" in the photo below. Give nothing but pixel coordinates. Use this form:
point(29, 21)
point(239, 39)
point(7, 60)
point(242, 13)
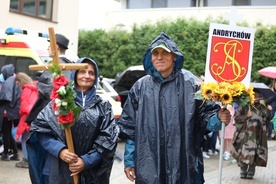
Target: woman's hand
point(76, 167)
point(68, 156)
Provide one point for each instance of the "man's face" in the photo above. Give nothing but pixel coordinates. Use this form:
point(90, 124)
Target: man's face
point(163, 61)
point(49, 49)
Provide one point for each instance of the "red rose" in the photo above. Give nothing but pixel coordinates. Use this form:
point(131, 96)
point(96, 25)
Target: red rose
point(54, 94)
point(60, 81)
point(66, 119)
point(55, 106)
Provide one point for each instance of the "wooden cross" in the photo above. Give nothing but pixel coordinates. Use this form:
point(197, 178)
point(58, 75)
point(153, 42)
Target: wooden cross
point(62, 66)
point(233, 16)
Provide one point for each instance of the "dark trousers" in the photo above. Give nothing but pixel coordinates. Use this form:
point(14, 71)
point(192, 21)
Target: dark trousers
point(210, 142)
point(270, 129)
point(247, 169)
point(8, 139)
point(213, 141)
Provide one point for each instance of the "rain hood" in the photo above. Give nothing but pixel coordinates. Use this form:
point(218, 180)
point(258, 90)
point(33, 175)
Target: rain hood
point(163, 38)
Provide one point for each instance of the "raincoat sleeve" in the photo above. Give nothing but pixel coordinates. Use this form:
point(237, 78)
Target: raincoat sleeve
point(129, 153)
point(6, 93)
point(127, 120)
point(214, 124)
point(207, 115)
point(127, 126)
point(28, 98)
point(91, 160)
point(50, 144)
point(103, 151)
point(109, 130)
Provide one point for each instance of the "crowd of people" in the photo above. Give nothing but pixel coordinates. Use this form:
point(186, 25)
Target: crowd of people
point(167, 133)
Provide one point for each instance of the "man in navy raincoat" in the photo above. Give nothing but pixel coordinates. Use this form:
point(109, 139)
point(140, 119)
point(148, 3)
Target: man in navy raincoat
point(163, 124)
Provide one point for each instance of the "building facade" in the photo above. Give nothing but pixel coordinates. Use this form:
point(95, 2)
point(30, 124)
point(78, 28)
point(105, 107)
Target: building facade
point(150, 11)
point(39, 15)
point(144, 4)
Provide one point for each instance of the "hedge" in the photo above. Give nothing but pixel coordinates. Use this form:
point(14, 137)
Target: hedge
point(115, 50)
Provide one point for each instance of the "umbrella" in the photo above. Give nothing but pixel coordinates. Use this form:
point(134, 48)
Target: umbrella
point(265, 91)
point(269, 71)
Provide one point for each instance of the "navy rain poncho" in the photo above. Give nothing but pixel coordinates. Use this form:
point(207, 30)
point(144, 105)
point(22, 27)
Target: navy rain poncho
point(94, 134)
point(9, 95)
point(166, 123)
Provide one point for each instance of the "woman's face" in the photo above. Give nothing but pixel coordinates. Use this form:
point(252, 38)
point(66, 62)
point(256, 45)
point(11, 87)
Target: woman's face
point(85, 78)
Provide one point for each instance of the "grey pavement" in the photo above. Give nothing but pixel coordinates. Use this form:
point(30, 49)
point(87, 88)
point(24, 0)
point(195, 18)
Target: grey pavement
point(9, 174)
point(230, 171)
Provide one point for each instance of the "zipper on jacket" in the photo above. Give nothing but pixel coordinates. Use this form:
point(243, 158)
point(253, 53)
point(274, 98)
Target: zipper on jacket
point(83, 99)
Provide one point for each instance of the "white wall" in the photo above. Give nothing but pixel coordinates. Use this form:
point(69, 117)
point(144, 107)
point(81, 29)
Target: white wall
point(250, 14)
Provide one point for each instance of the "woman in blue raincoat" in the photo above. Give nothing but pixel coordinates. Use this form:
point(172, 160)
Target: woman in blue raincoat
point(163, 124)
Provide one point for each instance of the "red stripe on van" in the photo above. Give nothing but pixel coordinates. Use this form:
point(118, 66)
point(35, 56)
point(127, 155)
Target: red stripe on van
point(15, 45)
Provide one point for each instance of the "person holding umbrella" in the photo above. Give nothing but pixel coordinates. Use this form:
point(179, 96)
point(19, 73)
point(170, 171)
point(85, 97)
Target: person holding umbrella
point(270, 72)
point(272, 102)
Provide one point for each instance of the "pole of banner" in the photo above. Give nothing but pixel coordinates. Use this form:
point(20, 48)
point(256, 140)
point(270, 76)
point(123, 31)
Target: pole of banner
point(233, 16)
point(221, 151)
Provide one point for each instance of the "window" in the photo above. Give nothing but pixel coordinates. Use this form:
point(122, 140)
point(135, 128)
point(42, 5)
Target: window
point(21, 64)
point(198, 3)
point(35, 8)
point(159, 3)
point(241, 2)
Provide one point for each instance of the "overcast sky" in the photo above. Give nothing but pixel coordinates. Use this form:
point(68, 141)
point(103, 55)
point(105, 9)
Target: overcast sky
point(92, 12)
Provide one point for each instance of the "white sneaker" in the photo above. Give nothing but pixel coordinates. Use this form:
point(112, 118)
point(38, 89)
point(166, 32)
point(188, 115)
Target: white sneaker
point(234, 161)
point(210, 152)
point(205, 155)
point(215, 153)
point(227, 156)
point(1, 148)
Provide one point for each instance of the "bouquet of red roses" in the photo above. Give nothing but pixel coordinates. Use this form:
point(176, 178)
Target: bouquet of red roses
point(63, 96)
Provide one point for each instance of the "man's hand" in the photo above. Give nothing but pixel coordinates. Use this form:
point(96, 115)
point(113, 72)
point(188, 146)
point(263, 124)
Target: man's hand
point(224, 115)
point(130, 173)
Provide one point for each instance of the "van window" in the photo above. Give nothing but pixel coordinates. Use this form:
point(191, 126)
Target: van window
point(21, 64)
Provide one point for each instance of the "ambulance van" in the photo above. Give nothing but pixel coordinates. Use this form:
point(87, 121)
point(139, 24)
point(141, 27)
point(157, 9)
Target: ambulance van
point(23, 48)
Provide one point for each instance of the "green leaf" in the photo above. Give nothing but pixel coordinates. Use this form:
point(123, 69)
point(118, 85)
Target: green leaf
point(198, 95)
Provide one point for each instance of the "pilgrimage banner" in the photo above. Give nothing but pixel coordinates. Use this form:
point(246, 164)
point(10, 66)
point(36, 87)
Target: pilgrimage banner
point(229, 54)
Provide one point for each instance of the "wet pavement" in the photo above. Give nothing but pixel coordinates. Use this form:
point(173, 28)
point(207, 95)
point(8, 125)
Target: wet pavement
point(9, 174)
